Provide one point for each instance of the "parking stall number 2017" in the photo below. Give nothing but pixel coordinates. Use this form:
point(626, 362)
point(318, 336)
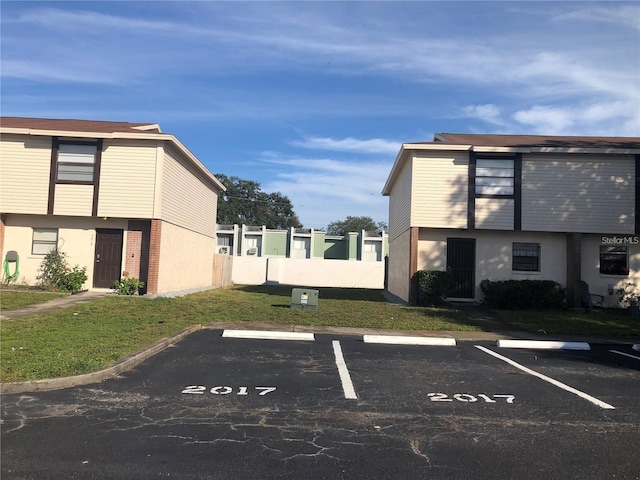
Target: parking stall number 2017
point(468, 398)
point(226, 390)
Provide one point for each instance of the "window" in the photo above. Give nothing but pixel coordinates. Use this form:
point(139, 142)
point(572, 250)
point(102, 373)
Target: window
point(44, 240)
point(526, 257)
point(76, 162)
point(614, 260)
point(495, 177)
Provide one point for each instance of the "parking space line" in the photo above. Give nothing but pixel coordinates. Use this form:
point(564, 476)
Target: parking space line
point(406, 340)
point(347, 384)
point(268, 335)
point(625, 354)
point(550, 380)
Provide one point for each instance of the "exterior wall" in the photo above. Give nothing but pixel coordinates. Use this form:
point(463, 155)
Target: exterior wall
point(440, 190)
point(76, 200)
point(399, 274)
point(275, 243)
point(494, 252)
point(308, 272)
point(400, 203)
point(76, 238)
point(186, 201)
point(24, 174)
point(127, 179)
point(318, 244)
point(494, 213)
point(578, 193)
point(186, 259)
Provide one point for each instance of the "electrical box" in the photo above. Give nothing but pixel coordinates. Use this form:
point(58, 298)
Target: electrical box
point(304, 299)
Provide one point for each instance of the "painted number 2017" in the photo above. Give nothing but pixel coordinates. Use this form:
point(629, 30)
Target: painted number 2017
point(224, 390)
point(468, 398)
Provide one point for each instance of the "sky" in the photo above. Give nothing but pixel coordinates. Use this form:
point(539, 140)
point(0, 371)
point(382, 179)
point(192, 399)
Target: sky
point(314, 99)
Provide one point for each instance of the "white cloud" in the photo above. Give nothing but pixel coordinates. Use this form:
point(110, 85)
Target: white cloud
point(621, 15)
point(350, 144)
point(488, 113)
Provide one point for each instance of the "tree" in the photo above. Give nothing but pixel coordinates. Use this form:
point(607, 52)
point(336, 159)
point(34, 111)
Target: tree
point(245, 203)
point(355, 224)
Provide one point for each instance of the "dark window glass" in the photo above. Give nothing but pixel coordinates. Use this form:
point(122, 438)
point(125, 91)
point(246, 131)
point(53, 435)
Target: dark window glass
point(526, 257)
point(614, 260)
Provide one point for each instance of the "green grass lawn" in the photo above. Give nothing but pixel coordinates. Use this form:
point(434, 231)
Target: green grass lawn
point(87, 337)
point(12, 299)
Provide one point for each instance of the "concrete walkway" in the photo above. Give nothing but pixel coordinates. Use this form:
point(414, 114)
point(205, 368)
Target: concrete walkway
point(53, 305)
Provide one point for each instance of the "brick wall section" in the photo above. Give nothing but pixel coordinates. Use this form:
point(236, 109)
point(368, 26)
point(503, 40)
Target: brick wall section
point(133, 251)
point(413, 265)
point(154, 256)
point(2, 220)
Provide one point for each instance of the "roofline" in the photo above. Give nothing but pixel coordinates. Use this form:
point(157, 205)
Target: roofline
point(441, 146)
point(166, 137)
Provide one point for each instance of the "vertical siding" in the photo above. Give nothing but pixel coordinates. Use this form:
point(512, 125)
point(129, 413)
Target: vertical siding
point(494, 213)
point(578, 193)
point(186, 200)
point(127, 179)
point(75, 200)
point(440, 186)
point(275, 243)
point(400, 203)
point(24, 174)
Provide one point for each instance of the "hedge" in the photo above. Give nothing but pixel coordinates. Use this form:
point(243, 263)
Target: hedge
point(433, 287)
point(523, 294)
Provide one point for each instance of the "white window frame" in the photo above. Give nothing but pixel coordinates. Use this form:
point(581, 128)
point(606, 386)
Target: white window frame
point(40, 242)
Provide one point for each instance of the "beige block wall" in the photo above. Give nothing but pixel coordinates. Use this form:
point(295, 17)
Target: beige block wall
point(76, 238)
point(186, 259)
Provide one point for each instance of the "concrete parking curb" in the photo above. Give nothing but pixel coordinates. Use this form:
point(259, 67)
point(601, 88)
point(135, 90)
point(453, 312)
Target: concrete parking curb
point(543, 345)
point(84, 379)
point(268, 335)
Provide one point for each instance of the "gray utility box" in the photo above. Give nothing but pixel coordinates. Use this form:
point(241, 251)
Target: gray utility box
point(304, 299)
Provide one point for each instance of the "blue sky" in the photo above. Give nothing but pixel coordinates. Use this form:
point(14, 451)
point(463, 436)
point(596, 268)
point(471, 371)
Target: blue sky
point(314, 99)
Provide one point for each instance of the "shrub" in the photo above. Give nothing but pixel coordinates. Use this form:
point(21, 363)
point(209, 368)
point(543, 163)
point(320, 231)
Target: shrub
point(55, 274)
point(433, 287)
point(128, 285)
point(523, 294)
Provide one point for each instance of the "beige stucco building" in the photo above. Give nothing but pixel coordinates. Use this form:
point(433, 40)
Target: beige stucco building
point(113, 196)
point(504, 207)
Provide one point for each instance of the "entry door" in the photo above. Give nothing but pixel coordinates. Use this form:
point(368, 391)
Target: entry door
point(108, 257)
point(461, 261)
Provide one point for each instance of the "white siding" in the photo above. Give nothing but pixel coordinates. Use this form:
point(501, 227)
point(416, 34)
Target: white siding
point(398, 282)
point(75, 200)
point(440, 186)
point(127, 179)
point(494, 213)
point(186, 200)
point(24, 174)
point(578, 193)
point(400, 203)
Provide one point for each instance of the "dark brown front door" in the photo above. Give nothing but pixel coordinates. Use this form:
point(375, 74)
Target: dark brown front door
point(461, 262)
point(108, 258)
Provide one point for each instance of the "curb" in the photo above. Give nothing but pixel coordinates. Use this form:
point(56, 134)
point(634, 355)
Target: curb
point(402, 340)
point(268, 335)
point(543, 345)
point(86, 378)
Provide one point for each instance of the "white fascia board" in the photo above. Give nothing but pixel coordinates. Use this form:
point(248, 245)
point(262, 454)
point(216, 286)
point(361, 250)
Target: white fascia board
point(600, 151)
point(501, 149)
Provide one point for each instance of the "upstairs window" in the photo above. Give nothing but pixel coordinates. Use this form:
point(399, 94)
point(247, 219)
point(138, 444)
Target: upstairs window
point(526, 257)
point(495, 177)
point(76, 163)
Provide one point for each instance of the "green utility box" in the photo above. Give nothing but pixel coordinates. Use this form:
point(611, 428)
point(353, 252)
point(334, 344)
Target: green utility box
point(304, 299)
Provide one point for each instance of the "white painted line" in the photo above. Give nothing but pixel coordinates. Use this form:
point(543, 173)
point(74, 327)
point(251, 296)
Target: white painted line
point(543, 344)
point(558, 384)
point(625, 354)
point(347, 384)
point(268, 335)
point(636, 346)
point(402, 340)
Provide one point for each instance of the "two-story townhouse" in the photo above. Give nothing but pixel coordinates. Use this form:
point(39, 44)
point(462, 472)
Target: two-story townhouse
point(113, 196)
point(504, 207)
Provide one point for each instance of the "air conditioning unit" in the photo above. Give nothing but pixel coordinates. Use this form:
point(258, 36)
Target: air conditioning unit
point(252, 251)
point(224, 250)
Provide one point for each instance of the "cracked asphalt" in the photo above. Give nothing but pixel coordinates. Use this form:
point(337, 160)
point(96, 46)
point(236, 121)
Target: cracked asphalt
point(226, 408)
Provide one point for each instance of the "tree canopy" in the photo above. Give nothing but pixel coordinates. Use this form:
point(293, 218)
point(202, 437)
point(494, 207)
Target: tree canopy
point(355, 224)
point(245, 203)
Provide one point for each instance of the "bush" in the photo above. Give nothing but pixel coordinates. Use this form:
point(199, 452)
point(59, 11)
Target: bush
point(55, 274)
point(523, 294)
point(433, 287)
point(128, 285)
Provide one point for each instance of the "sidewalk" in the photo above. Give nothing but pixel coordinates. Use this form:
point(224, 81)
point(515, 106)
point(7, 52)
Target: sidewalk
point(52, 305)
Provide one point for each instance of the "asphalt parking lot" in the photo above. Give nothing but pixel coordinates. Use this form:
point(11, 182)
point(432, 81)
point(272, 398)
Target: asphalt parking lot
point(331, 407)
